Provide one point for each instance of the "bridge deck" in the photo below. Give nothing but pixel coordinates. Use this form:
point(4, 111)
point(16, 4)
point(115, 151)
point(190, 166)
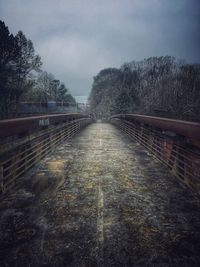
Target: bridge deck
point(100, 200)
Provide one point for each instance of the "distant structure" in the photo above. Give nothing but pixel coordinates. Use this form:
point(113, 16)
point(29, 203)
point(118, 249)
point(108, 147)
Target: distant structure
point(28, 108)
point(46, 107)
point(82, 107)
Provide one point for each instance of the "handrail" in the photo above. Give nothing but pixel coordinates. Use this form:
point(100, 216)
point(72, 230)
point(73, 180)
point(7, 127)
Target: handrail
point(181, 127)
point(176, 143)
point(11, 127)
point(15, 163)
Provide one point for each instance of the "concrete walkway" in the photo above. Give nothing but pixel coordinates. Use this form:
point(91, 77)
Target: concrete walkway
point(100, 200)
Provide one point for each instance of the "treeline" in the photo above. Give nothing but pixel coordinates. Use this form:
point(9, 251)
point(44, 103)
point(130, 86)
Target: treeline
point(161, 86)
point(21, 76)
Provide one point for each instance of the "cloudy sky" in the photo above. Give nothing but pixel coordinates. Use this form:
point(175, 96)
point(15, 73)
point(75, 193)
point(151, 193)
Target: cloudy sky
point(78, 38)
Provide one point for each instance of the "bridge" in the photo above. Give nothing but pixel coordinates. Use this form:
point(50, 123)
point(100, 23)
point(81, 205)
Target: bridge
point(76, 192)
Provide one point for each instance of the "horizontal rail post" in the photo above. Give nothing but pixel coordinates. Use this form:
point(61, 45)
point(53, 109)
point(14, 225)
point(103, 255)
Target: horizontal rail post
point(180, 127)
point(12, 127)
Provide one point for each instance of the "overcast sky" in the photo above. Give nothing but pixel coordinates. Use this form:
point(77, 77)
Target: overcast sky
point(78, 38)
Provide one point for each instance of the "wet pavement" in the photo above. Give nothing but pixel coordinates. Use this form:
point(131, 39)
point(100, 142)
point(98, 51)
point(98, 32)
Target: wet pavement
point(100, 200)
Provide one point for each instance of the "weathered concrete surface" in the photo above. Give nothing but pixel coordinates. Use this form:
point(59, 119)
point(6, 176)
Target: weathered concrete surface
point(100, 200)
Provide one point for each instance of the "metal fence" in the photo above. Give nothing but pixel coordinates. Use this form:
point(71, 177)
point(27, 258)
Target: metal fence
point(180, 153)
point(17, 162)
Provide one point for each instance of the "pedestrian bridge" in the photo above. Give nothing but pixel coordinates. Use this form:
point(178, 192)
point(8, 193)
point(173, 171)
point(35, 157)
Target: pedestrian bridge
point(106, 197)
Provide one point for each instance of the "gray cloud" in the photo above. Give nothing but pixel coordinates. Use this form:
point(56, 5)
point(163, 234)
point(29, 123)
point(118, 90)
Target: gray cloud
point(77, 38)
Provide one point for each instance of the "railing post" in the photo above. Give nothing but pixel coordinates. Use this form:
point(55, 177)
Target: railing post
point(1, 179)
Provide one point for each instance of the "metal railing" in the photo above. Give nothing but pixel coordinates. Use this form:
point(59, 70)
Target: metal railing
point(18, 161)
point(175, 143)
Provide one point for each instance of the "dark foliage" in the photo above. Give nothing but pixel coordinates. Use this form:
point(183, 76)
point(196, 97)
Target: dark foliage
point(21, 77)
point(157, 86)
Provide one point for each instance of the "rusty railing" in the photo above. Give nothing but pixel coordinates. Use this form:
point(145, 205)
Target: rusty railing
point(49, 131)
point(176, 143)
